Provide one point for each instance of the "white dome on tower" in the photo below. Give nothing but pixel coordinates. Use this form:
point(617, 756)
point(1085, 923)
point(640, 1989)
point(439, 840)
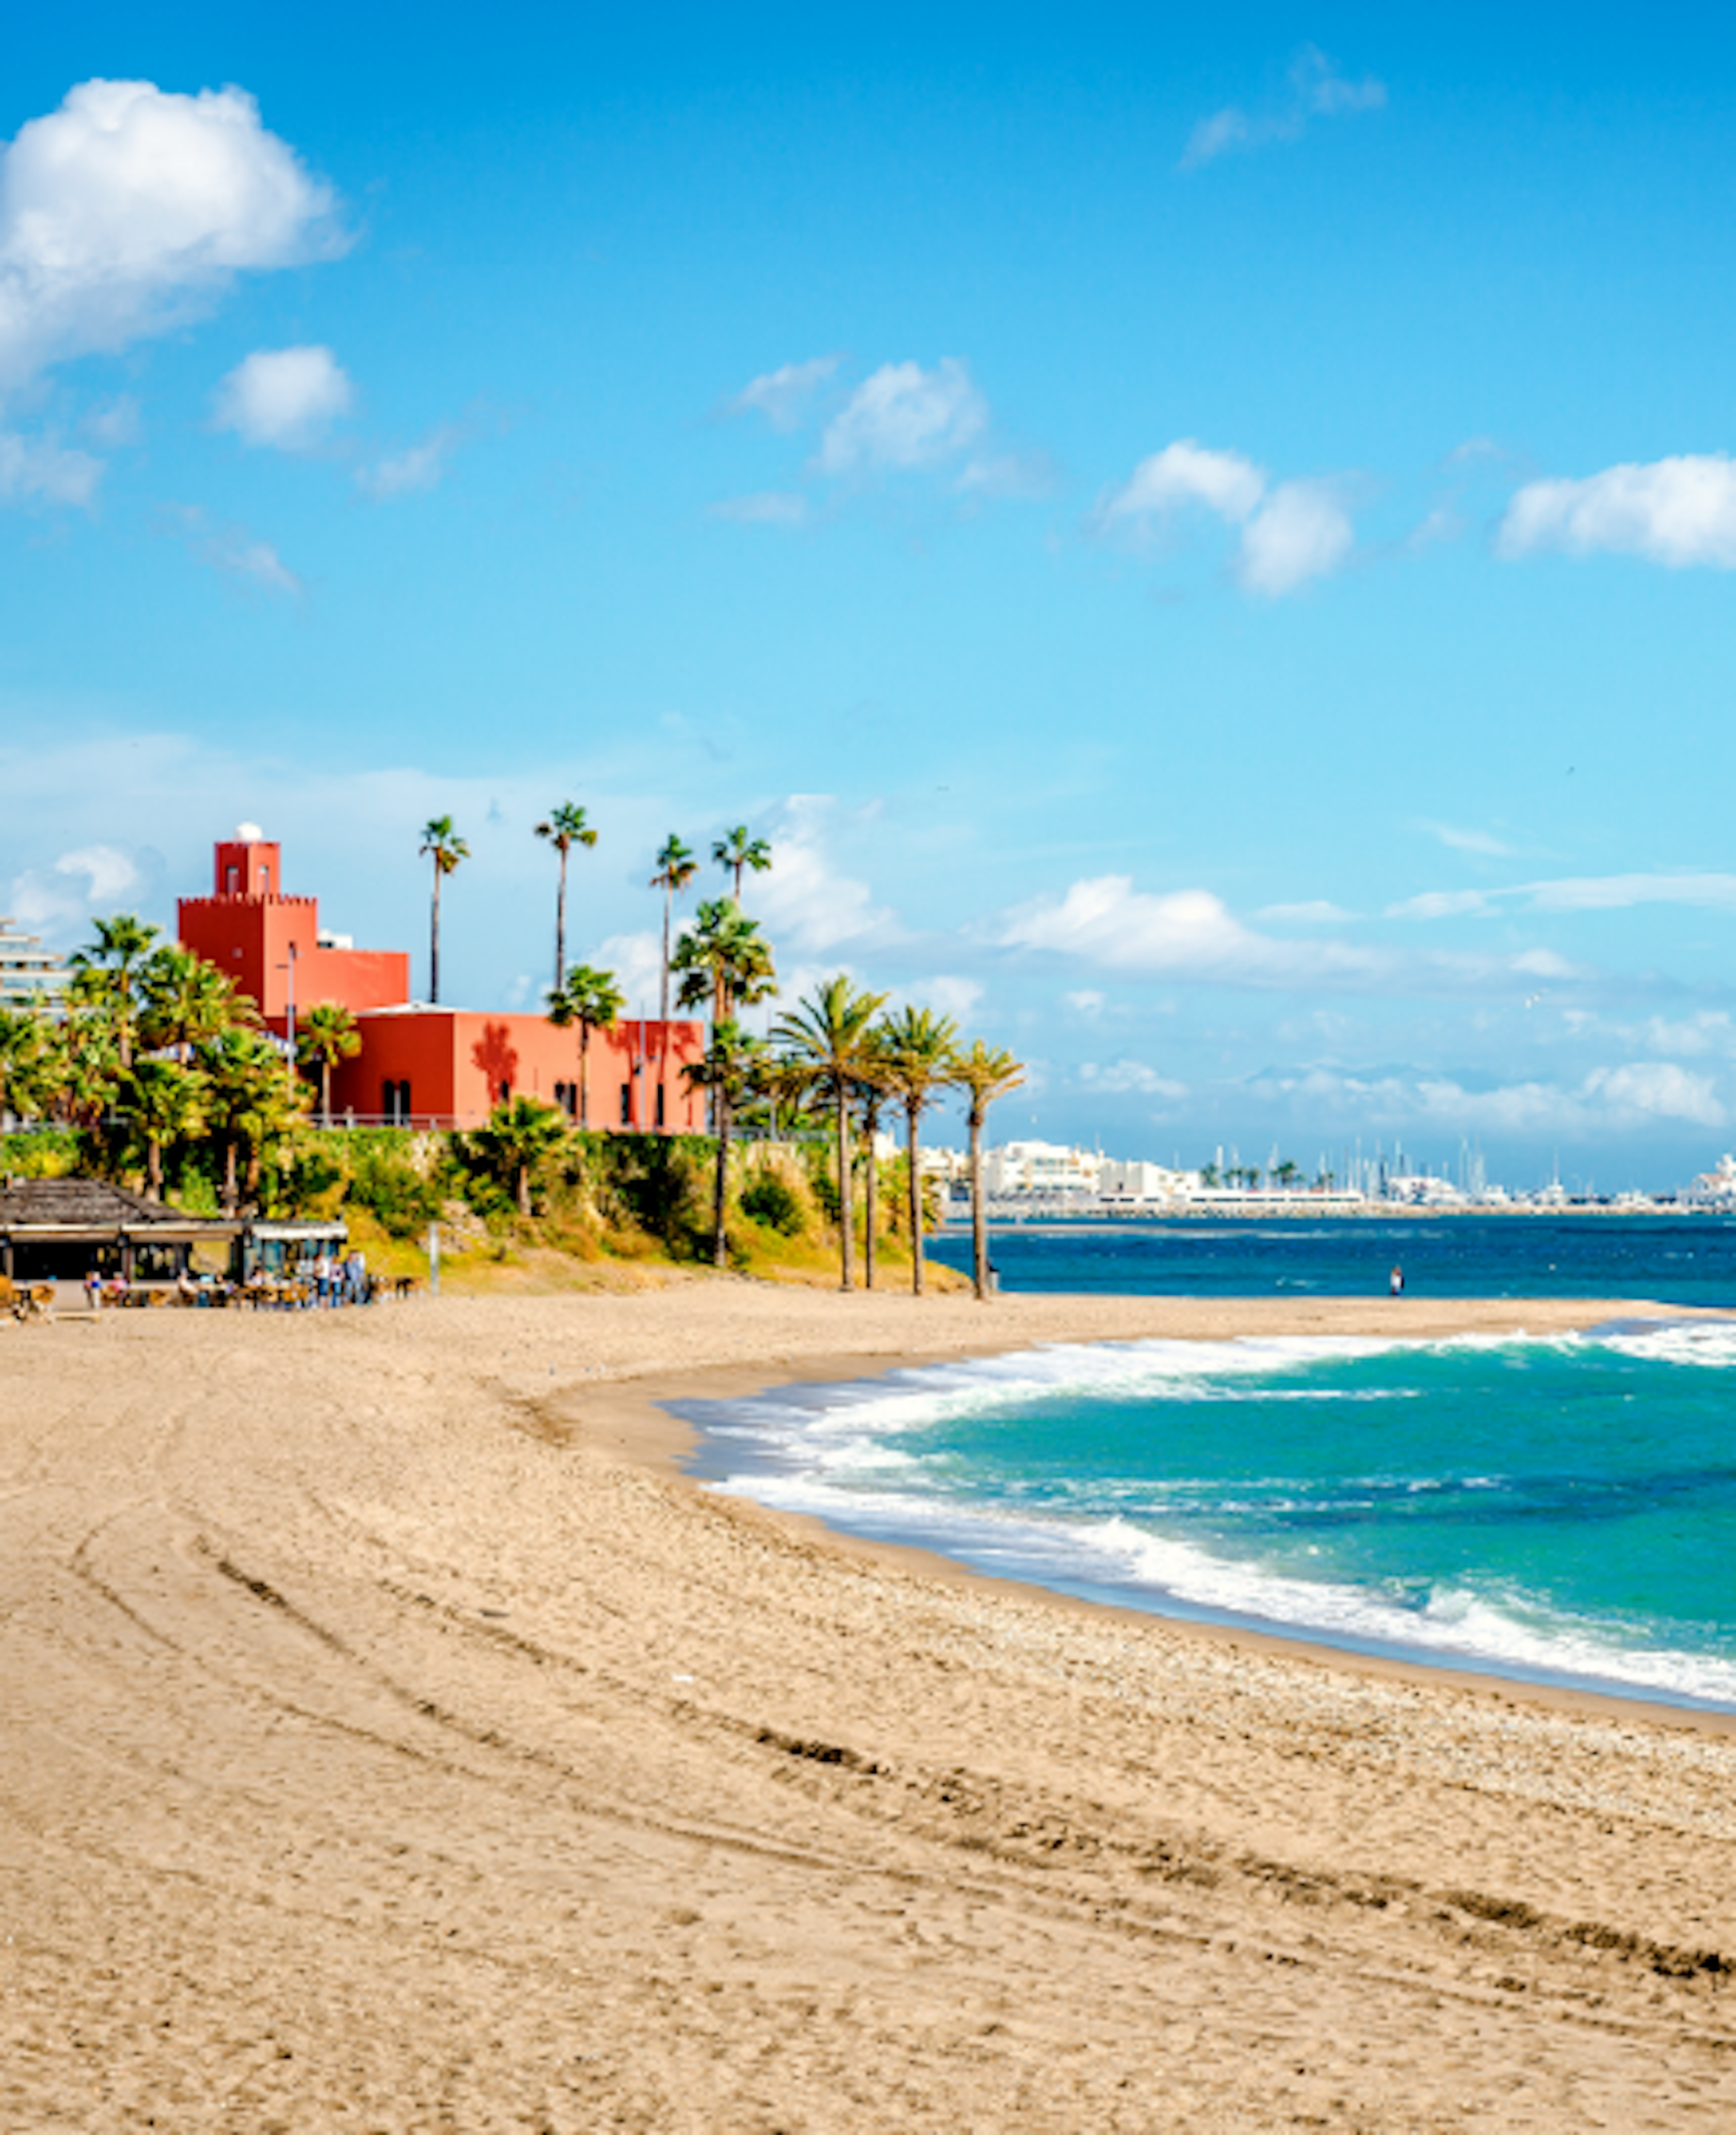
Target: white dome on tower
point(250, 834)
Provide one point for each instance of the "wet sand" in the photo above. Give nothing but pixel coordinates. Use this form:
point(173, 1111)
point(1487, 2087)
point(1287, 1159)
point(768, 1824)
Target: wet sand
point(391, 1739)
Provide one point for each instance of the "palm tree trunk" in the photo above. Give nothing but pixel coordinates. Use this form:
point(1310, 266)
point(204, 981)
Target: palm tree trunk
point(870, 1201)
point(153, 1167)
point(560, 927)
point(979, 1220)
point(911, 1116)
point(433, 941)
point(720, 1187)
point(663, 1027)
point(846, 1223)
point(229, 1177)
point(524, 1191)
point(585, 1078)
point(325, 1093)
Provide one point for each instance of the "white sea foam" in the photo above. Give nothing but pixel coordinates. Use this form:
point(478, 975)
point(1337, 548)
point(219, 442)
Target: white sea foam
point(821, 1450)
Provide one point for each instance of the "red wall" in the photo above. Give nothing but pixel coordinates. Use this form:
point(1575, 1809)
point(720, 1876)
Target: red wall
point(458, 1062)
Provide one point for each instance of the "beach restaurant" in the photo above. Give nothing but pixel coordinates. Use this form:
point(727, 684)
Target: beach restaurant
point(57, 1230)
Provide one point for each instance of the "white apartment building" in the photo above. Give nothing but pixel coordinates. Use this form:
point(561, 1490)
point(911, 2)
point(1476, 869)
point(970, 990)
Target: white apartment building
point(26, 968)
point(1041, 1167)
point(1135, 1180)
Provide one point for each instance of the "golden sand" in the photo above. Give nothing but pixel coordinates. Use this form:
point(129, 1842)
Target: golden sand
point(389, 1741)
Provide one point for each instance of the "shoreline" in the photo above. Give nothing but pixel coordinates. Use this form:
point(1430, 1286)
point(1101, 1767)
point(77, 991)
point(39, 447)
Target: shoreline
point(649, 1430)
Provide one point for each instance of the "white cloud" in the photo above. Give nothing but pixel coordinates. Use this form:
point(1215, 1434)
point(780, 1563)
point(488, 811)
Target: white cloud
point(1300, 532)
point(32, 467)
point(1318, 912)
point(1186, 933)
point(1297, 531)
point(1458, 840)
point(946, 996)
point(1675, 511)
point(1613, 893)
point(114, 422)
point(1087, 1002)
point(767, 507)
point(284, 397)
point(636, 961)
point(1188, 472)
point(902, 416)
point(1608, 1100)
point(1316, 89)
point(1121, 1076)
point(129, 207)
point(417, 467)
point(233, 552)
point(781, 395)
point(57, 901)
point(804, 901)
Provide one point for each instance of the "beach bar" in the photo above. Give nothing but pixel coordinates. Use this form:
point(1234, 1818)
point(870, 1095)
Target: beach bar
point(57, 1230)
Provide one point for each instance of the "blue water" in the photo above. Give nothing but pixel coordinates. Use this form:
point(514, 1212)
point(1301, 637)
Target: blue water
point(1561, 1509)
point(1685, 1259)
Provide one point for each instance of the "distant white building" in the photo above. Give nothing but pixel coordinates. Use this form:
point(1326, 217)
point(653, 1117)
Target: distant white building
point(1715, 1189)
point(1041, 1167)
point(26, 968)
point(1135, 1180)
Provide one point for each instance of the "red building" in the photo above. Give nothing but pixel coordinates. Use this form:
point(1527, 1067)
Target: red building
point(420, 1065)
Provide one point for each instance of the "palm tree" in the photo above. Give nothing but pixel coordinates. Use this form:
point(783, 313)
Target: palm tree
point(183, 999)
point(564, 828)
point(163, 1102)
point(21, 1055)
point(917, 1048)
point(869, 1093)
point(442, 843)
point(736, 851)
point(110, 967)
point(827, 1037)
point(521, 1134)
point(248, 1101)
point(592, 1000)
point(985, 1076)
point(327, 1035)
point(729, 1069)
point(724, 958)
point(677, 868)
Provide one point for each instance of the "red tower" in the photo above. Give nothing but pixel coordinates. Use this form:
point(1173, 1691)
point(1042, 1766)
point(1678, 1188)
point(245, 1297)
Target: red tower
point(254, 935)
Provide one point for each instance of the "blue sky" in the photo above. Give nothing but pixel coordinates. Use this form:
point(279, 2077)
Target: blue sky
point(1204, 543)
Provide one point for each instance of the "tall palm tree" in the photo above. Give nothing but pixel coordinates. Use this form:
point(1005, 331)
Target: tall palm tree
point(827, 1037)
point(22, 1048)
point(984, 1076)
point(677, 868)
point(110, 965)
point(565, 827)
point(729, 1069)
point(519, 1137)
point(248, 1101)
point(871, 1094)
point(442, 843)
point(592, 1000)
point(736, 851)
point(724, 958)
point(327, 1034)
point(917, 1048)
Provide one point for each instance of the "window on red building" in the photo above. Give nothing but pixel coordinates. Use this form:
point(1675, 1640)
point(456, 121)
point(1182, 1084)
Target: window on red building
point(626, 1104)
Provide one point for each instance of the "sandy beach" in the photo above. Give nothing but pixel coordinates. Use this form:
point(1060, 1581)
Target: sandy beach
point(391, 1738)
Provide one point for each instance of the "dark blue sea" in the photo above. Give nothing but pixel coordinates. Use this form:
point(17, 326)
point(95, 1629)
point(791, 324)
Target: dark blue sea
point(1551, 1508)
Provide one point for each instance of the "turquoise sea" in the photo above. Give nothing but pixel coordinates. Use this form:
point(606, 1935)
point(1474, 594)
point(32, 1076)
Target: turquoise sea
point(1554, 1509)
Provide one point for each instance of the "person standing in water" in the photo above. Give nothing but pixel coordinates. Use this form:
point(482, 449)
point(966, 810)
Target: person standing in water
point(1395, 1284)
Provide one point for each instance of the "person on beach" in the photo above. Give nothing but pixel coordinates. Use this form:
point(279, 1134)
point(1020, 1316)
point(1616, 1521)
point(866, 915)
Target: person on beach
point(93, 1289)
point(1395, 1285)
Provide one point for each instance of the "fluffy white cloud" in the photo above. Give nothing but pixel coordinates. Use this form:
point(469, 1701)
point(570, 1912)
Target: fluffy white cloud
point(1316, 89)
point(57, 901)
point(129, 205)
point(636, 961)
point(1188, 472)
point(1675, 511)
point(781, 395)
point(1297, 531)
point(1458, 840)
point(417, 467)
point(902, 416)
point(766, 507)
point(1187, 933)
point(1446, 904)
point(285, 397)
point(1316, 912)
point(804, 902)
point(947, 995)
point(32, 467)
point(1300, 532)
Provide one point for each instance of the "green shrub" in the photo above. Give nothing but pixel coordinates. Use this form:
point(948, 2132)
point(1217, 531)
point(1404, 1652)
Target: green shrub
point(772, 1201)
point(385, 1182)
